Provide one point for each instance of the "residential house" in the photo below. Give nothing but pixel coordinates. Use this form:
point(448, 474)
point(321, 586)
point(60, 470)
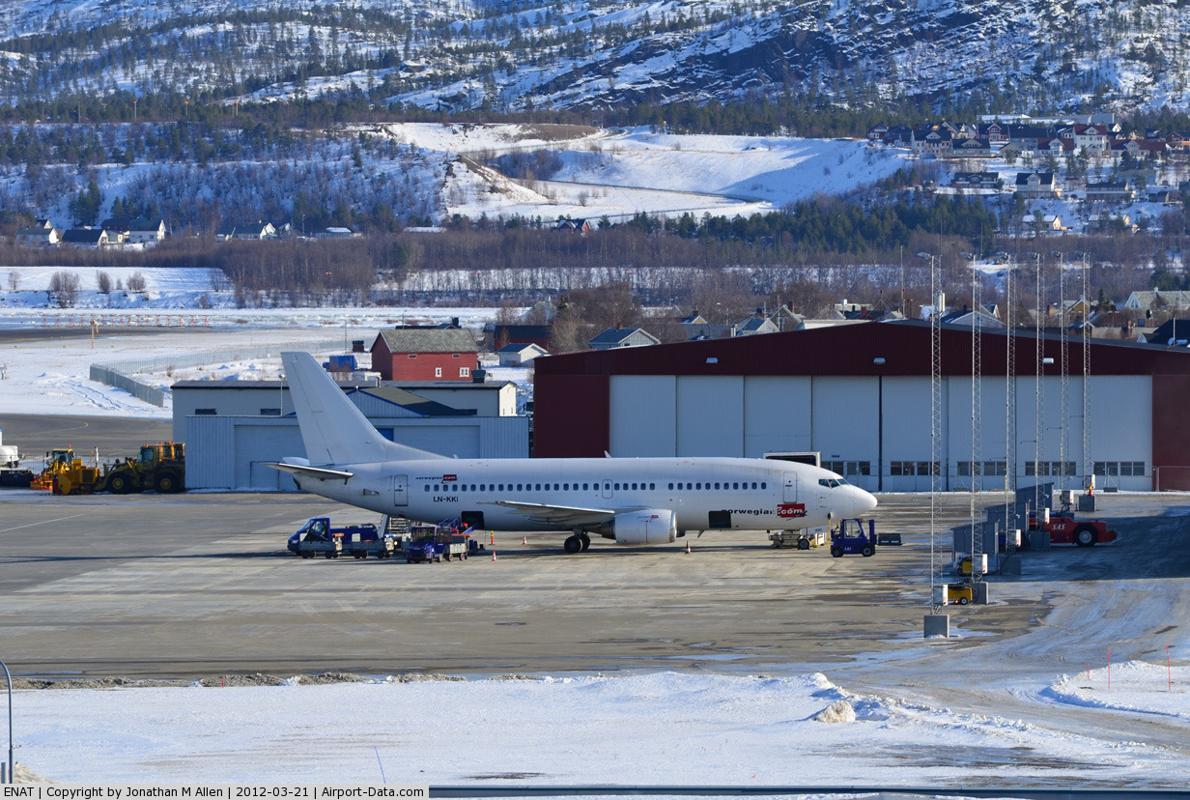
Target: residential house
point(337, 232)
point(1092, 139)
point(38, 237)
point(424, 354)
point(1043, 223)
point(43, 223)
point(135, 231)
point(502, 333)
point(964, 316)
point(994, 132)
point(246, 231)
point(976, 180)
point(934, 140)
point(755, 324)
point(579, 226)
point(1110, 192)
point(972, 147)
point(877, 133)
point(899, 136)
point(1027, 137)
point(1145, 300)
point(86, 237)
point(517, 355)
point(1037, 185)
point(613, 338)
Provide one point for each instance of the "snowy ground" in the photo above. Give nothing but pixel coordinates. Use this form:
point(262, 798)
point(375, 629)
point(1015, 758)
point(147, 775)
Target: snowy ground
point(51, 375)
point(619, 173)
point(165, 288)
point(660, 728)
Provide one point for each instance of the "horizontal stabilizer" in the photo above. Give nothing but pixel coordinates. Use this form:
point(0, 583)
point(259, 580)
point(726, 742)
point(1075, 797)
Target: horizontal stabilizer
point(317, 473)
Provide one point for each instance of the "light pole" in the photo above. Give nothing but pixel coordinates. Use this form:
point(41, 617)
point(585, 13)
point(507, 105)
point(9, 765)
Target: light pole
point(8, 682)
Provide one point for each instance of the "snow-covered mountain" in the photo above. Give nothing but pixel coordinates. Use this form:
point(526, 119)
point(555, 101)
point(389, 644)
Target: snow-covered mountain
point(521, 54)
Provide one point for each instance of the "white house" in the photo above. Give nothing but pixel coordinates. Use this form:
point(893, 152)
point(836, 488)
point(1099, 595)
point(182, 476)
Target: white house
point(38, 237)
point(517, 354)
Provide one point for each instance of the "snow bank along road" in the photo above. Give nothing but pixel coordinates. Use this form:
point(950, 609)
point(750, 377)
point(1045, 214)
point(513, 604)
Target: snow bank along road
point(101, 587)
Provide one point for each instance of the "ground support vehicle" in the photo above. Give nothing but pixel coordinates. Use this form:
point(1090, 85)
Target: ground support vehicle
point(318, 537)
point(844, 542)
point(11, 472)
point(802, 540)
point(422, 550)
point(1063, 528)
point(960, 594)
point(160, 466)
point(889, 539)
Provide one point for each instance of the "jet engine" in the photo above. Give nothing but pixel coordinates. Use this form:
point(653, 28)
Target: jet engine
point(649, 526)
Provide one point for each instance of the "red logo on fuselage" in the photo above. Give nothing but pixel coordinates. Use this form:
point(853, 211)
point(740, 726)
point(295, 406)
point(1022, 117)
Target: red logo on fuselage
point(789, 510)
point(450, 478)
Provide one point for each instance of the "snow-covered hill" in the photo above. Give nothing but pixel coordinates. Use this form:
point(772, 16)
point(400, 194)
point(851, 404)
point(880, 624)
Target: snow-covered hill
point(520, 54)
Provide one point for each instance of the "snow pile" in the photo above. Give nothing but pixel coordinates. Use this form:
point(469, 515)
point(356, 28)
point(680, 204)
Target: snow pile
point(1136, 686)
point(651, 728)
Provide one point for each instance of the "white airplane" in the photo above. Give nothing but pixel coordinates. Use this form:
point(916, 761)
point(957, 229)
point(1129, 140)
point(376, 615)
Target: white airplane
point(634, 501)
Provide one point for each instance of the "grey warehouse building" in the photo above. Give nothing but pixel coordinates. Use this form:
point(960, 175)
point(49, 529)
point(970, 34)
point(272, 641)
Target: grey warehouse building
point(234, 429)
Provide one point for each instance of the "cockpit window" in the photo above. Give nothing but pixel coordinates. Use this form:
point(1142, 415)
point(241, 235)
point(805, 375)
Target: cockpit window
point(831, 483)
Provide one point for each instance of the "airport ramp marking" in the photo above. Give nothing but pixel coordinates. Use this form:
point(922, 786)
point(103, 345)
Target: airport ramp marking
point(42, 522)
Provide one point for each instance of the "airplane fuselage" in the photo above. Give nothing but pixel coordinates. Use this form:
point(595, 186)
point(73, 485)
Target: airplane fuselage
point(703, 493)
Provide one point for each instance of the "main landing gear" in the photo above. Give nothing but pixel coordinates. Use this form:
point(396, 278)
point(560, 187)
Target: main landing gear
point(577, 542)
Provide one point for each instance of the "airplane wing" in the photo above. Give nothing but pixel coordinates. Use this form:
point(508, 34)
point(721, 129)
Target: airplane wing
point(318, 473)
point(563, 516)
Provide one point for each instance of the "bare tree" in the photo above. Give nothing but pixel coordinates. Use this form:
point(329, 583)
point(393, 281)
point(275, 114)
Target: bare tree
point(65, 288)
point(14, 280)
point(104, 281)
point(136, 282)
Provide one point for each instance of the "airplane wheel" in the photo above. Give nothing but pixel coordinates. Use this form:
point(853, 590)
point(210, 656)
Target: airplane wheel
point(573, 544)
point(586, 540)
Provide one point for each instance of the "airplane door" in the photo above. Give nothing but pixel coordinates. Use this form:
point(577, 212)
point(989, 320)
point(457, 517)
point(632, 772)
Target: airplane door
point(790, 489)
point(400, 490)
point(607, 490)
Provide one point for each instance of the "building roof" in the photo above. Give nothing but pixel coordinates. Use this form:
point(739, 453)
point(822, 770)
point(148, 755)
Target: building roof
point(753, 324)
point(232, 228)
point(517, 347)
point(138, 224)
point(1045, 178)
point(41, 233)
point(82, 235)
point(453, 386)
point(851, 349)
point(616, 335)
point(414, 402)
point(428, 340)
point(1170, 329)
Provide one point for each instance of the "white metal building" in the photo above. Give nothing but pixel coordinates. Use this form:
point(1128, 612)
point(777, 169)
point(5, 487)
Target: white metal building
point(860, 394)
point(233, 430)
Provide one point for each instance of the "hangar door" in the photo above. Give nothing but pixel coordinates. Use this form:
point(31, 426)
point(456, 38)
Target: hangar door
point(710, 415)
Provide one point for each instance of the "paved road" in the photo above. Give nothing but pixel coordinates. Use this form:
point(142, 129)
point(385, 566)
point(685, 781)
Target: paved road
point(114, 436)
point(199, 584)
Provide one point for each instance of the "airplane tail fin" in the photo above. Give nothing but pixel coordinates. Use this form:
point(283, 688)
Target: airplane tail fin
point(333, 428)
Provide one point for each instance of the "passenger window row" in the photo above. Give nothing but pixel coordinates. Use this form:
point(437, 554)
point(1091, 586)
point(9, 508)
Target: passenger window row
point(626, 486)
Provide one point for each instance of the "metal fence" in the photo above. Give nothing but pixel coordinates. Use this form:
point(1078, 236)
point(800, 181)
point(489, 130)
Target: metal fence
point(113, 377)
point(120, 373)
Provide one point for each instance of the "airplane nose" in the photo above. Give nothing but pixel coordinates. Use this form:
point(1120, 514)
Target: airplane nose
point(865, 501)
